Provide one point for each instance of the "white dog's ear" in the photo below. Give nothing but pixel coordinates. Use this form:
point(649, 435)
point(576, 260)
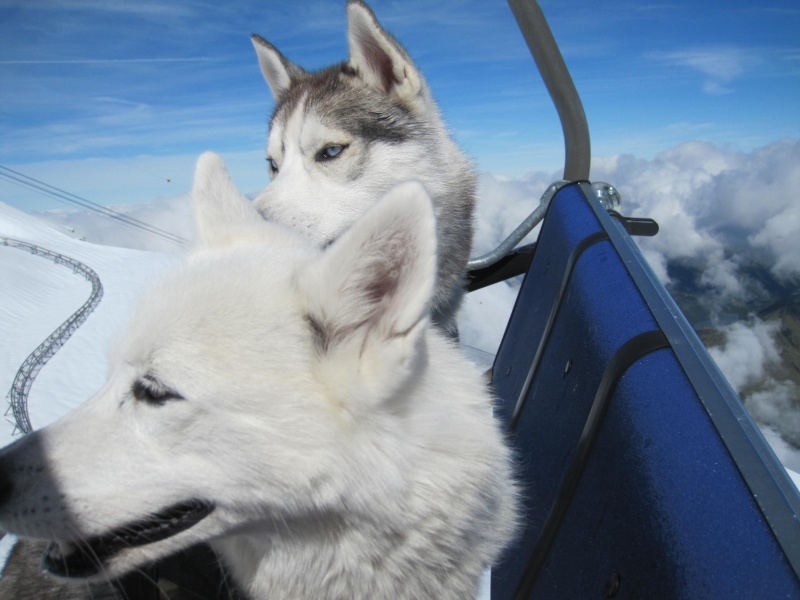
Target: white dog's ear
point(278, 70)
point(369, 296)
point(223, 216)
point(377, 57)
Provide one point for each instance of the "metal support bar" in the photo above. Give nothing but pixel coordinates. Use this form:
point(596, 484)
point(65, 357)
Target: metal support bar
point(516, 236)
point(18, 394)
point(559, 84)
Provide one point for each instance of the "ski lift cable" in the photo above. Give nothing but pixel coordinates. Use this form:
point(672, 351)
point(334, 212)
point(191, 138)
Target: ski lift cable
point(75, 199)
point(110, 214)
point(55, 192)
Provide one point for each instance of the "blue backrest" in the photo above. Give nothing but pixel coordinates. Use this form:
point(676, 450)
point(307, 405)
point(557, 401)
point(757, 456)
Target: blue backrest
point(642, 475)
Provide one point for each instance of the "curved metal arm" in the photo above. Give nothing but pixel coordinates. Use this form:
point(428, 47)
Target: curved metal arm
point(523, 229)
point(607, 195)
point(577, 146)
point(559, 84)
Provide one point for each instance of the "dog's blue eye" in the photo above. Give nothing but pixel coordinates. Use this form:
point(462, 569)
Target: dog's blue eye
point(330, 152)
point(273, 165)
point(152, 392)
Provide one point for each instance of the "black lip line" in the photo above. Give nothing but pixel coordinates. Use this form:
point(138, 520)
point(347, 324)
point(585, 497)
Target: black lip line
point(89, 555)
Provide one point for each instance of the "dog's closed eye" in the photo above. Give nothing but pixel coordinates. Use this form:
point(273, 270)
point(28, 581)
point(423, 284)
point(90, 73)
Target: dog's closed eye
point(151, 391)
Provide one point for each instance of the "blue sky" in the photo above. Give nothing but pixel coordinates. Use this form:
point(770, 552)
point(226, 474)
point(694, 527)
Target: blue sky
point(113, 100)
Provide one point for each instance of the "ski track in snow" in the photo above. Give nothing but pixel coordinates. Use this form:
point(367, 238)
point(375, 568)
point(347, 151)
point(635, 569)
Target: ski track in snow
point(26, 375)
point(42, 295)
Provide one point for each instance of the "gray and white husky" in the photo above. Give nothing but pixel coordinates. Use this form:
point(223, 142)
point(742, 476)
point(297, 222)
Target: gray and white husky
point(341, 137)
point(305, 419)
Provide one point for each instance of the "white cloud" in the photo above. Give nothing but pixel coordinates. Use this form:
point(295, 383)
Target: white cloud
point(715, 205)
point(789, 456)
point(657, 262)
point(779, 235)
point(719, 65)
point(718, 210)
point(173, 215)
point(722, 278)
point(154, 9)
point(484, 315)
point(121, 182)
point(746, 357)
point(748, 350)
point(777, 407)
point(663, 189)
point(752, 187)
point(503, 203)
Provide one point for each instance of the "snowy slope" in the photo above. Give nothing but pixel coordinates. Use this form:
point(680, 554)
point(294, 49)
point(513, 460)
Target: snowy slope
point(39, 295)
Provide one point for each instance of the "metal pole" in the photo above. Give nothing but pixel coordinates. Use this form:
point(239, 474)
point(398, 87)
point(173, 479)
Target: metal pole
point(556, 77)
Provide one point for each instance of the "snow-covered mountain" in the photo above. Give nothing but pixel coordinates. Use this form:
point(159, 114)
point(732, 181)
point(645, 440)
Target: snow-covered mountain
point(38, 295)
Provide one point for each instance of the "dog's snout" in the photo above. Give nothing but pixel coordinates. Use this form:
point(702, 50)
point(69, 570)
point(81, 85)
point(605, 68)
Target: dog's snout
point(20, 464)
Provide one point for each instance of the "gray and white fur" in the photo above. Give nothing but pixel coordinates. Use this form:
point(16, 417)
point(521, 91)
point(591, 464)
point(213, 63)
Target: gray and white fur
point(343, 136)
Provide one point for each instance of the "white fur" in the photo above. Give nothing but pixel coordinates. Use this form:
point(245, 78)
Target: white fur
point(347, 447)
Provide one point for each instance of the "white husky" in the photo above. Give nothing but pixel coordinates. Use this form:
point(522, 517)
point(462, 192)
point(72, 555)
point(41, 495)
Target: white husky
point(292, 406)
point(342, 137)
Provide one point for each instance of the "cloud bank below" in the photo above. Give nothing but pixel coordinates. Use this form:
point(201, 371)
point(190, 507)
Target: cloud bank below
point(727, 249)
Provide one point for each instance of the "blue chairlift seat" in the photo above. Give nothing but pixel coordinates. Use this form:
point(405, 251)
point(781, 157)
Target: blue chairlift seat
point(642, 475)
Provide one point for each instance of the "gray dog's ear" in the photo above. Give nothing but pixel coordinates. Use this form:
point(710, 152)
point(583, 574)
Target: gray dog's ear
point(377, 57)
point(278, 70)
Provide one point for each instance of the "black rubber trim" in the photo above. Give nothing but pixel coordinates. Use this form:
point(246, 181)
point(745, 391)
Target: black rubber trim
point(630, 352)
point(763, 473)
point(636, 226)
point(516, 262)
point(577, 251)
